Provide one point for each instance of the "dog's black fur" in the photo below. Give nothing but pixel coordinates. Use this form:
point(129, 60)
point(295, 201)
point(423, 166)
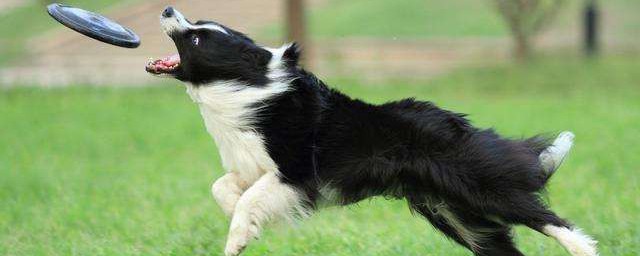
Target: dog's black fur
point(323, 140)
point(407, 149)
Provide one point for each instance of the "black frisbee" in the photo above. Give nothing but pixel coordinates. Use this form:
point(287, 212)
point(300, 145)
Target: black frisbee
point(94, 25)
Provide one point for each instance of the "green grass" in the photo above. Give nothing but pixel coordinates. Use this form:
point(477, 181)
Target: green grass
point(99, 171)
point(18, 25)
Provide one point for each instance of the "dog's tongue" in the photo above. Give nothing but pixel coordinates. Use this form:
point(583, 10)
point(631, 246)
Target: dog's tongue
point(168, 64)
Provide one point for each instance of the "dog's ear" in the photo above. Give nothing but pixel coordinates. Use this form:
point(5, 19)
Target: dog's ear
point(291, 55)
point(256, 55)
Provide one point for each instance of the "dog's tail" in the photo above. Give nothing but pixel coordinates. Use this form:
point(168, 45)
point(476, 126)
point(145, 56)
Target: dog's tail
point(551, 158)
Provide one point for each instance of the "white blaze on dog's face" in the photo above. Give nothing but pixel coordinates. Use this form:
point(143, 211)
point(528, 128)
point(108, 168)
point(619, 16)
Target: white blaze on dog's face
point(210, 52)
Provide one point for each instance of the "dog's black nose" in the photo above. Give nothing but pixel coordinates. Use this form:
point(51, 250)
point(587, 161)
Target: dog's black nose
point(168, 12)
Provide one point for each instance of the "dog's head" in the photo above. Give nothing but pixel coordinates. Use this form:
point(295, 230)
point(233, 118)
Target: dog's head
point(209, 52)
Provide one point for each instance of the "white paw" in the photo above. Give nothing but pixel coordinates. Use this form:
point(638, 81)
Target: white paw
point(238, 239)
point(234, 248)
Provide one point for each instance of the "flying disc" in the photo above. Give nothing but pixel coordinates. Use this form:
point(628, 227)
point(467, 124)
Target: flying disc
point(94, 25)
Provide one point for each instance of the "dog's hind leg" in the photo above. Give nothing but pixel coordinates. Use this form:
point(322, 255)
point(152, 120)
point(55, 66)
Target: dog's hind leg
point(480, 235)
point(441, 223)
point(572, 239)
point(569, 236)
point(497, 242)
point(535, 215)
point(266, 200)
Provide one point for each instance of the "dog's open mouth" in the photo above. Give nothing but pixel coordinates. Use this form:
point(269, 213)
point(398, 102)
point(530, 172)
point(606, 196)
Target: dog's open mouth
point(167, 65)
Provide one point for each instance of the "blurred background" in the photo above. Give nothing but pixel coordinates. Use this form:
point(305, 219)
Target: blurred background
point(97, 157)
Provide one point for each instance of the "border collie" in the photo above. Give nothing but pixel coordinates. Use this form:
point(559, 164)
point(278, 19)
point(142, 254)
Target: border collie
point(288, 142)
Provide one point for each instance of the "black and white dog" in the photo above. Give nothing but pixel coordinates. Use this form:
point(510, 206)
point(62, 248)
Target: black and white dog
point(289, 142)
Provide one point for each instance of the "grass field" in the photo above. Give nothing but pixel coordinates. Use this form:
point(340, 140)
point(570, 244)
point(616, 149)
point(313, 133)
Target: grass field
point(104, 171)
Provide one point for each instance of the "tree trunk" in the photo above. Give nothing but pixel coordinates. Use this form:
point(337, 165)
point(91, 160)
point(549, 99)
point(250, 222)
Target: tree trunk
point(522, 48)
point(296, 26)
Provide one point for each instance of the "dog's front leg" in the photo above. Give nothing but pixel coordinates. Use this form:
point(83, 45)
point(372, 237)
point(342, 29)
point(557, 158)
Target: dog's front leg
point(227, 191)
point(266, 200)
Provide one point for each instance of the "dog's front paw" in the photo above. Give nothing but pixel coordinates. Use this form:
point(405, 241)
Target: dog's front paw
point(234, 248)
point(238, 239)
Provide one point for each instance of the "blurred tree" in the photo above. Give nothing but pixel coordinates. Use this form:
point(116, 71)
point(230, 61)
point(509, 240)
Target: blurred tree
point(526, 18)
point(296, 21)
point(296, 25)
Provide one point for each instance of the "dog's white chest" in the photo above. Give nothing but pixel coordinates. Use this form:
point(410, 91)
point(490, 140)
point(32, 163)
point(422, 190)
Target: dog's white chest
point(227, 117)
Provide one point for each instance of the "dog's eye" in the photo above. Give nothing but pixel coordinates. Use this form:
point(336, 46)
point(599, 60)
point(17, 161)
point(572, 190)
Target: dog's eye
point(195, 40)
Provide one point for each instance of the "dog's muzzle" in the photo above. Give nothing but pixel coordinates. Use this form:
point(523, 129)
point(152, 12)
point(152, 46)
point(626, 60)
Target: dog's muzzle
point(172, 20)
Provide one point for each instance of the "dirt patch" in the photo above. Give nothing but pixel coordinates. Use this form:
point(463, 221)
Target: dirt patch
point(7, 5)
